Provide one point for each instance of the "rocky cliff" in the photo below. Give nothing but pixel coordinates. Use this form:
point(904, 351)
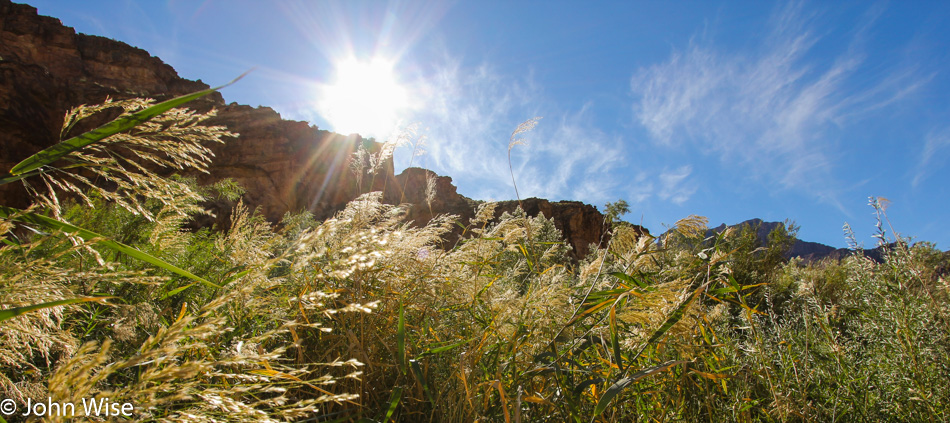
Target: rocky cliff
point(47, 68)
point(580, 224)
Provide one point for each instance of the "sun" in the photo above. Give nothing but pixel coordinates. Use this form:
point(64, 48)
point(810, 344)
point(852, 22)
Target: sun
point(365, 98)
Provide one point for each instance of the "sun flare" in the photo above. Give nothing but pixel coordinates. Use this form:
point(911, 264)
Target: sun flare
point(365, 97)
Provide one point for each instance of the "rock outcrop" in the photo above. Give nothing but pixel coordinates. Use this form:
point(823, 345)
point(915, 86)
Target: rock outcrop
point(580, 224)
point(47, 68)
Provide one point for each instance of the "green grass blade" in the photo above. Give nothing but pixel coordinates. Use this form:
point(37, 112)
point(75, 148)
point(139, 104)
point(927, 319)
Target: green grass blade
point(417, 372)
point(236, 276)
point(393, 403)
point(619, 386)
point(593, 309)
point(6, 179)
point(579, 389)
point(610, 393)
point(175, 291)
point(615, 337)
point(630, 279)
point(16, 311)
point(622, 383)
point(444, 348)
point(99, 239)
point(58, 151)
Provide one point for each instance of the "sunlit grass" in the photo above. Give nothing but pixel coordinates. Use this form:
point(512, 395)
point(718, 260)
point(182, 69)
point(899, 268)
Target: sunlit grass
point(363, 317)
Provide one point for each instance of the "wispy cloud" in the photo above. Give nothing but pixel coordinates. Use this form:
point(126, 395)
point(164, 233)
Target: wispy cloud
point(571, 159)
point(674, 186)
point(642, 188)
point(769, 110)
point(936, 143)
point(469, 113)
point(670, 185)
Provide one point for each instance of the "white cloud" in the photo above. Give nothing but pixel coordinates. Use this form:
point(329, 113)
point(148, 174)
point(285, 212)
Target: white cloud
point(469, 114)
point(641, 189)
point(674, 186)
point(935, 143)
point(769, 110)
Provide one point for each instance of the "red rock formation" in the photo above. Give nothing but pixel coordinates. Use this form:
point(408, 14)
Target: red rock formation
point(46, 68)
point(580, 224)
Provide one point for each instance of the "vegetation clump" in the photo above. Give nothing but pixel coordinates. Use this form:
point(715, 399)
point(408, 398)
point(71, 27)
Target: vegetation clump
point(363, 317)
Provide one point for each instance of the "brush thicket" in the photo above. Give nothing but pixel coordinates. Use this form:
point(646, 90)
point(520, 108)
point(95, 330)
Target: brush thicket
point(363, 317)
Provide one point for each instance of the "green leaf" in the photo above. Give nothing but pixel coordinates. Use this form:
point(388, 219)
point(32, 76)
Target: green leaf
point(724, 290)
point(53, 224)
point(444, 348)
point(393, 403)
point(16, 311)
point(177, 290)
point(627, 278)
point(614, 337)
point(236, 276)
point(6, 179)
point(593, 309)
point(417, 372)
point(622, 383)
point(124, 123)
point(596, 297)
point(619, 386)
point(488, 285)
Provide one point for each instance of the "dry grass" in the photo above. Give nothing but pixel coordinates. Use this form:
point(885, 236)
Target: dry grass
point(363, 318)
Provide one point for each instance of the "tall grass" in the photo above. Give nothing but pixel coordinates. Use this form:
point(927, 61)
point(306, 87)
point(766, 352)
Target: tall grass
point(363, 317)
point(175, 345)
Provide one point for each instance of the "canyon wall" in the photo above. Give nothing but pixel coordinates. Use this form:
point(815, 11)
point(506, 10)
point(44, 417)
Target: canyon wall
point(47, 68)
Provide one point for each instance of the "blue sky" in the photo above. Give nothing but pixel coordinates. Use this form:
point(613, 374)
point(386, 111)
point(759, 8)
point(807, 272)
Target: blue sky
point(731, 110)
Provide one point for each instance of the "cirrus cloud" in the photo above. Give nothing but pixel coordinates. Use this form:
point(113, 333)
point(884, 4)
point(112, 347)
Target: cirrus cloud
point(771, 109)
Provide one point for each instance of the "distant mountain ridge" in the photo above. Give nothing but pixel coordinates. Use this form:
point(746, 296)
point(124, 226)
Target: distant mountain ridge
point(807, 250)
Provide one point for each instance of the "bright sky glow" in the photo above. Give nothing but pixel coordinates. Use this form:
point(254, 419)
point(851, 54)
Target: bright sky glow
point(364, 98)
point(779, 110)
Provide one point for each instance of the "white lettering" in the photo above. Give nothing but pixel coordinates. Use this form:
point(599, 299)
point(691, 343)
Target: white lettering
point(92, 407)
point(29, 401)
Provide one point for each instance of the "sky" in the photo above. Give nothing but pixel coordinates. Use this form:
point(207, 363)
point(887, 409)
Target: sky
point(729, 110)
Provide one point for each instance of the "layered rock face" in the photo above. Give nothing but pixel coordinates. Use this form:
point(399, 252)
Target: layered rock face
point(47, 68)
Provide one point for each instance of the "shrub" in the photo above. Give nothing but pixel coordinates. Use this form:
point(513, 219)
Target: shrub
point(363, 317)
